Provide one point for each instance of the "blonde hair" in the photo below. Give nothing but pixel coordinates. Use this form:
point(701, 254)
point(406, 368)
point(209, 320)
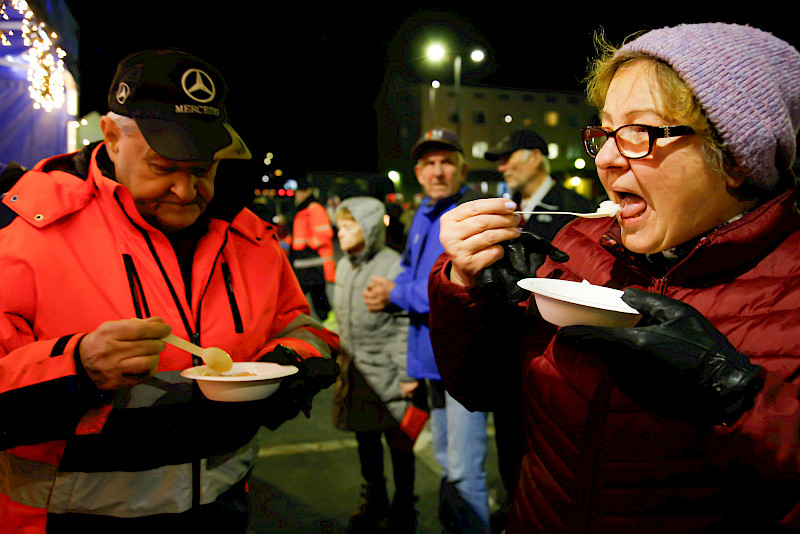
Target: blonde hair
point(344, 214)
point(679, 102)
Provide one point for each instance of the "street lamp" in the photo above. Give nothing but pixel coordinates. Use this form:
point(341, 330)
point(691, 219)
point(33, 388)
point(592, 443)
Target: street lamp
point(437, 52)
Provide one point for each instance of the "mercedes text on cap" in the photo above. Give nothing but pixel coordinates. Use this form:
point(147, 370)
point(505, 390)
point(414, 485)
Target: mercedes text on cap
point(178, 103)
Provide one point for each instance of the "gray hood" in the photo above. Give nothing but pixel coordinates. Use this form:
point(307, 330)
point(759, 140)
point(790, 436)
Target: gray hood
point(368, 212)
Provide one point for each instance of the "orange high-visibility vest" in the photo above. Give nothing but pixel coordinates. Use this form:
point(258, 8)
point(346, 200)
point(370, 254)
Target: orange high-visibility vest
point(312, 230)
point(75, 252)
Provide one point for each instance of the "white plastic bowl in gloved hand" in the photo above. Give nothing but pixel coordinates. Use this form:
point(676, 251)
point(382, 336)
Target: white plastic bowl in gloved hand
point(246, 381)
point(567, 303)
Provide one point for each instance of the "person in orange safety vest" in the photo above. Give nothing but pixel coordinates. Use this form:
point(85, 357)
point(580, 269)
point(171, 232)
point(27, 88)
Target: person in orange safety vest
point(311, 248)
point(103, 253)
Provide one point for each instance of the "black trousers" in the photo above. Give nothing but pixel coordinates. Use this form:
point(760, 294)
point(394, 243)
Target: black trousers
point(370, 453)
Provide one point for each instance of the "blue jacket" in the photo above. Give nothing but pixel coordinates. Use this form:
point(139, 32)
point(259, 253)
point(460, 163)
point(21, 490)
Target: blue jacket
point(411, 290)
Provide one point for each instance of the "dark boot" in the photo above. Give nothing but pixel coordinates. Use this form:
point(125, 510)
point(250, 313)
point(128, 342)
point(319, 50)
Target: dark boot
point(373, 515)
point(403, 516)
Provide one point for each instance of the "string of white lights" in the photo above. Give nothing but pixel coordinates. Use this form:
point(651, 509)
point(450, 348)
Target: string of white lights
point(45, 59)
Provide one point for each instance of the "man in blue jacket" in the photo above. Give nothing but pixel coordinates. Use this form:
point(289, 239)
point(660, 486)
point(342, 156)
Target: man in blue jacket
point(459, 436)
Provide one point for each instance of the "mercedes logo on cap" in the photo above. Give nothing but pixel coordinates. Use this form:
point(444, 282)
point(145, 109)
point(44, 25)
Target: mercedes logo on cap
point(198, 85)
point(123, 92)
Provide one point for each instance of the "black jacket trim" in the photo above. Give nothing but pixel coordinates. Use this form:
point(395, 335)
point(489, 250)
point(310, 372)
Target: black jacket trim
point(237, 317)
point(7, 215)
point(137, 291)
point(61, 344)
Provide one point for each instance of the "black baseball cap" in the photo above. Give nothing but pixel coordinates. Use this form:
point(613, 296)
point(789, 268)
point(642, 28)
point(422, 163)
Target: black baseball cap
point(436, 139)
point(178, 103)
point(522, 139)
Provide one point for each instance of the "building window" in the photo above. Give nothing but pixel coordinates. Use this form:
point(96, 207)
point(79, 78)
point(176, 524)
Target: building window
point(551, 118)
point(575, 151)
point(479, 117)
point(479, 149)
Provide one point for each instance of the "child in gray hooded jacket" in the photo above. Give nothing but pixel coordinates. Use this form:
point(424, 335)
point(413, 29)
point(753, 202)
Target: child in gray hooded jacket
point(373, 391)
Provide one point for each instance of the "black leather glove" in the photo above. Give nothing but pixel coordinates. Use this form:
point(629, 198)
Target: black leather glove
point(523, 256)
point(675, 362)
point(296, 391)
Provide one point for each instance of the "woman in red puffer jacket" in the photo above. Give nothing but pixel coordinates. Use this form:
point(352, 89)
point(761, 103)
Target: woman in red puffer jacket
point(687, 422)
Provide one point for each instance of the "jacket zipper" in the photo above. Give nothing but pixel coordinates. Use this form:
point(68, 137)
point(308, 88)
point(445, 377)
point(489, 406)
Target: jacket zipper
point(194, 333)
point(660, 285)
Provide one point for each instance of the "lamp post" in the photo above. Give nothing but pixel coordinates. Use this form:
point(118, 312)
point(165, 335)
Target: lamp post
point(437, 52)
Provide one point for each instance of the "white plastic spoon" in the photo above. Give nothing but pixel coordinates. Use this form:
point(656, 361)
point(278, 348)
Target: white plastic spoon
point(606, 209)
point(215, 358)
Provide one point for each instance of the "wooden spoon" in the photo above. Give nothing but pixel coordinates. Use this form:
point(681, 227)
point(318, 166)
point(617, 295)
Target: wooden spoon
point(215, 358)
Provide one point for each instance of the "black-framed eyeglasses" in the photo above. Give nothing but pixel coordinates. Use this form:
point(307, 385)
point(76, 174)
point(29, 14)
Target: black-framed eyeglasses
point(634, 141)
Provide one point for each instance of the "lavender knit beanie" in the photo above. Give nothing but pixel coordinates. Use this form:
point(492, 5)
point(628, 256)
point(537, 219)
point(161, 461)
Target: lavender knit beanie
point(747, 82)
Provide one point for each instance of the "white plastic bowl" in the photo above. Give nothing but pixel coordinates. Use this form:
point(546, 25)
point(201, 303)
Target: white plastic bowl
point(227, 387)
point(566, 303)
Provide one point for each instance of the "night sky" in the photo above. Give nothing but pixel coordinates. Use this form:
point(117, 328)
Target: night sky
point(304, 79)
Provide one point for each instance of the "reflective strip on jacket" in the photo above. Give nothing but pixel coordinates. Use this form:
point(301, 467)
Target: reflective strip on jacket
point(75, 252)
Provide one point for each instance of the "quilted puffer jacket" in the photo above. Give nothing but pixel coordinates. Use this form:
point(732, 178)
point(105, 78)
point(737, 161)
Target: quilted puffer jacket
point(375, 342)
point(596, 461)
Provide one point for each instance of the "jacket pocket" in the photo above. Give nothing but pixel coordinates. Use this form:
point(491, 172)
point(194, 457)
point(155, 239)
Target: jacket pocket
point(237, 317)
point(137, 291)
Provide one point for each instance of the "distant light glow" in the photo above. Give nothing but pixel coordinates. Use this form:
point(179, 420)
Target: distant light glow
point(580, 163)
point(477, 56)
point(436, 52)
point(575, 181)
point(435, 84)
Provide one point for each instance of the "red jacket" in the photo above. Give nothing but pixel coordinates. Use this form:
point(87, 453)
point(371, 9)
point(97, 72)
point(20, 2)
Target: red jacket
point(75, 252)
point(594, 460)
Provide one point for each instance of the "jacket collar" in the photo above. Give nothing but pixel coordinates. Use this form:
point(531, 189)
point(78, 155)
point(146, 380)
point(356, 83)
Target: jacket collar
point(433, 208)
point(726, 250)
point(70, 180)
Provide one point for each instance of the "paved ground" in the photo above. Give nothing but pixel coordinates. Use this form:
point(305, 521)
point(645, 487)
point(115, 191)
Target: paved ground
point(307, 478)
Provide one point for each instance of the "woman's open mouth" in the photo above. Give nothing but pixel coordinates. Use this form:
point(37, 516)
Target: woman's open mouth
point(633, 206)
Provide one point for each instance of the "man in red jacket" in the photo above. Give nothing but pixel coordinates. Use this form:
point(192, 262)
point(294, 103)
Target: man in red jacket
point(103, 253)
